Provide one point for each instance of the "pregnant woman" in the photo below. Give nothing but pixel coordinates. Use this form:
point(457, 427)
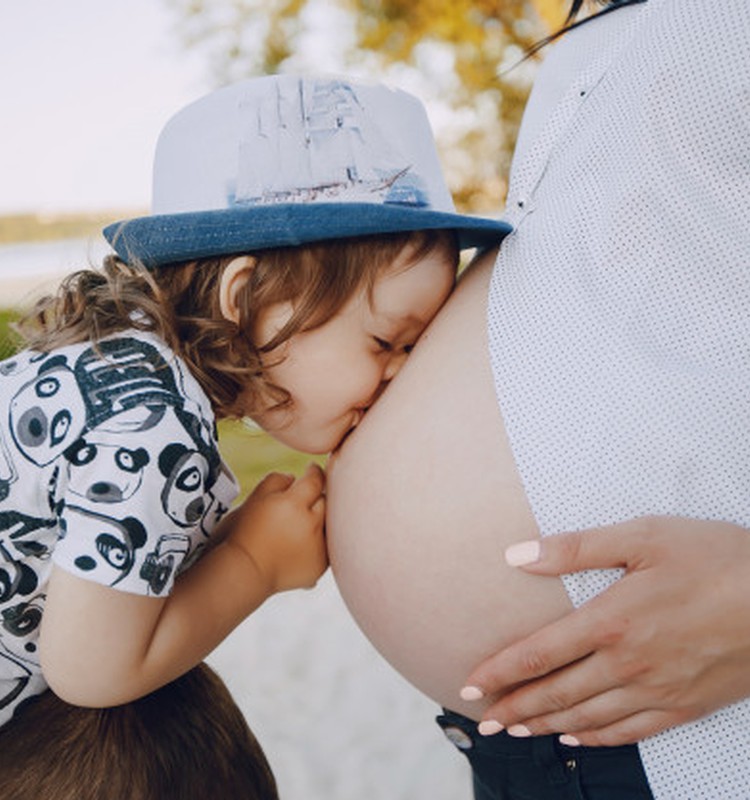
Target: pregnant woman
point(597, 372)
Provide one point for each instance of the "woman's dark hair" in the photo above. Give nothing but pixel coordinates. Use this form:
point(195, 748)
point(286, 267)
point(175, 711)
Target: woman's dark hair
point(571, 20)
point(608, 5)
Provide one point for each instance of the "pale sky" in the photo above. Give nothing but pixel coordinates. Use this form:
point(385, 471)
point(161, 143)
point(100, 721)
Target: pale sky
point(85, 88)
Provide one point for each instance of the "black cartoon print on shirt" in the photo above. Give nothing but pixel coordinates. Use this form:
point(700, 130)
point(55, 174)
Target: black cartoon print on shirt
point(110, 544)
point(16, 678)
point(20, 606)
point(108, 466)
point(127, 388)
point(16, 577)
point(161, 562)
point(123, 373)
point(43, 420)
point(8, 474)
point(119, 470)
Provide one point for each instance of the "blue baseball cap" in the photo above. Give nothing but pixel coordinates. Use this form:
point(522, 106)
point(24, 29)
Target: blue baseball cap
point(282, 161)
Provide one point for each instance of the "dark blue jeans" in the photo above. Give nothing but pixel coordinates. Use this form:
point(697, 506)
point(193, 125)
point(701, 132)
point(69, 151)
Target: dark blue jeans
point(540, 768)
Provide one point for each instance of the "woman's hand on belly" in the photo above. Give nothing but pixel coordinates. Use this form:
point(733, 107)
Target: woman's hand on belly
point(666, 644)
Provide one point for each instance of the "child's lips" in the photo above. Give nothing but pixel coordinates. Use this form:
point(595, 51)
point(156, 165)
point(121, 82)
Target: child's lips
point(357, 417)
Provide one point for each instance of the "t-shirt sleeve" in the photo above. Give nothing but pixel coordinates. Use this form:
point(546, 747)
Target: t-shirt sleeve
point(137, 498)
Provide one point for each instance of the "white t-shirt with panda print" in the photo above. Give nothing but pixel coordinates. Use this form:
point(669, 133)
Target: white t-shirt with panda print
point(110, 469)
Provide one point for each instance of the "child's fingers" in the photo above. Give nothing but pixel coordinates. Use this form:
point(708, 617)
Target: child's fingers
point(273, 482)
point(310, 486)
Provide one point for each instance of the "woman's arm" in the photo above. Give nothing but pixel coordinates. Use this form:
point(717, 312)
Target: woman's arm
point(666, 644)
point(102, 647)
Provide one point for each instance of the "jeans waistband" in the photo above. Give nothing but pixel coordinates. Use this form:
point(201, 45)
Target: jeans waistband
point(463, 733)
point(544, 768)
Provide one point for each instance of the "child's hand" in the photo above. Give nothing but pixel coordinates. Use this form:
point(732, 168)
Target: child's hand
point(281, 527)
point(101, 647)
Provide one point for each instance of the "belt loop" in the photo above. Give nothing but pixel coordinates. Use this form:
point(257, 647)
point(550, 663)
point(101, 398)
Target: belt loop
point(455, 730)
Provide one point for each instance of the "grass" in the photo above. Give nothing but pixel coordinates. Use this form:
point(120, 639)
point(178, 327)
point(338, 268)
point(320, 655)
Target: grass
point(51, 227)
point(8, 339)
point(253, 453)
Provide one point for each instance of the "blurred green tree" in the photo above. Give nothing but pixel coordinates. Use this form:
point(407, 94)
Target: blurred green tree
point(463, 58)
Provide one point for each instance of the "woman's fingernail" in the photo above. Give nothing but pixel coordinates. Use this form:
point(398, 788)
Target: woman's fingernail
point(522, 553)
point(471, 693)
point(520, 731)
point(489, 727)
point(569, 740)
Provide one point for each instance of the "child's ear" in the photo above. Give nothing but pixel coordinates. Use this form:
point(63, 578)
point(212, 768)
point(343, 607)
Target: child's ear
point(236, 274)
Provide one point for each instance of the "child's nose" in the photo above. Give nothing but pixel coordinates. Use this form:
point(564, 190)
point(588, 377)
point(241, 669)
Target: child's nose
point(395, 362)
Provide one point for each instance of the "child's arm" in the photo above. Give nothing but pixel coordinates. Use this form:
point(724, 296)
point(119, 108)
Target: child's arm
point(102, 647)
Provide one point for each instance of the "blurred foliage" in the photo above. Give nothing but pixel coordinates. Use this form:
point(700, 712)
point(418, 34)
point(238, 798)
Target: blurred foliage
point(9, 340)
point(252, 453)
point(464, 59)
point(47, 227)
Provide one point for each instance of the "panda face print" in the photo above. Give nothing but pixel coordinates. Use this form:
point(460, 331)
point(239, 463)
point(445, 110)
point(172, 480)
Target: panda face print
point(186, 472)
point(105, 544)
point(47, 413)
point(159, 564)
point(8, 473)
point(26, 536)
point(23, 619)
point(16, 677)
point(104, 473)
point(223, 490)
point(16, 578)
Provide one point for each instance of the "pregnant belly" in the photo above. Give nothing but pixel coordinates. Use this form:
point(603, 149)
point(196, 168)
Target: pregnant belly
point(423, 500)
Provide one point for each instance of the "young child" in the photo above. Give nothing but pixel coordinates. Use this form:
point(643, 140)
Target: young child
point(302, 239)
point(186, 740)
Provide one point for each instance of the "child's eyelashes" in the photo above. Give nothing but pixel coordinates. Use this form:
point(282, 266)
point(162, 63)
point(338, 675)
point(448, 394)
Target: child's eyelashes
point(388, 347)
point(383, 344)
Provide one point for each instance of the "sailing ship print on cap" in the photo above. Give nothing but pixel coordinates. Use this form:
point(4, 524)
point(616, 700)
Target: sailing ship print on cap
point(286, 160)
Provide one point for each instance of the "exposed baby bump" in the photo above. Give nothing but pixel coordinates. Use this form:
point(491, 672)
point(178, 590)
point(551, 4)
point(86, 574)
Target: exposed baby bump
point(423, 499)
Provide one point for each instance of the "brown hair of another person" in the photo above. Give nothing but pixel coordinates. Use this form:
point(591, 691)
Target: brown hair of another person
point(185, 741)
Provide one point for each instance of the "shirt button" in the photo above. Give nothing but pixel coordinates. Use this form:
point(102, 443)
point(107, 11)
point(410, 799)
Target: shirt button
point(460, 738)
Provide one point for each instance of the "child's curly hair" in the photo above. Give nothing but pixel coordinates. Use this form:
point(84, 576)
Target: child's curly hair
point(180, 304)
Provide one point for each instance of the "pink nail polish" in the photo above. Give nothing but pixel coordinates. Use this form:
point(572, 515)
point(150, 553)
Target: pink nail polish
point(471, 693)
point(489, 727)
point(569, 740)
point(522, 553)
point(521, 731)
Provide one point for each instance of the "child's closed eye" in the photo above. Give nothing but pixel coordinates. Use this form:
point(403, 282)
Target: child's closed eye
point(389, 347)
point(383, 344)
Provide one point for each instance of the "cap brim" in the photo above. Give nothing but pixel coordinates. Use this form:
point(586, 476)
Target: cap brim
point(170, 238)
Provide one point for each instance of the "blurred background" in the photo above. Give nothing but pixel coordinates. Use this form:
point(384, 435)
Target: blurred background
point(86, 88)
